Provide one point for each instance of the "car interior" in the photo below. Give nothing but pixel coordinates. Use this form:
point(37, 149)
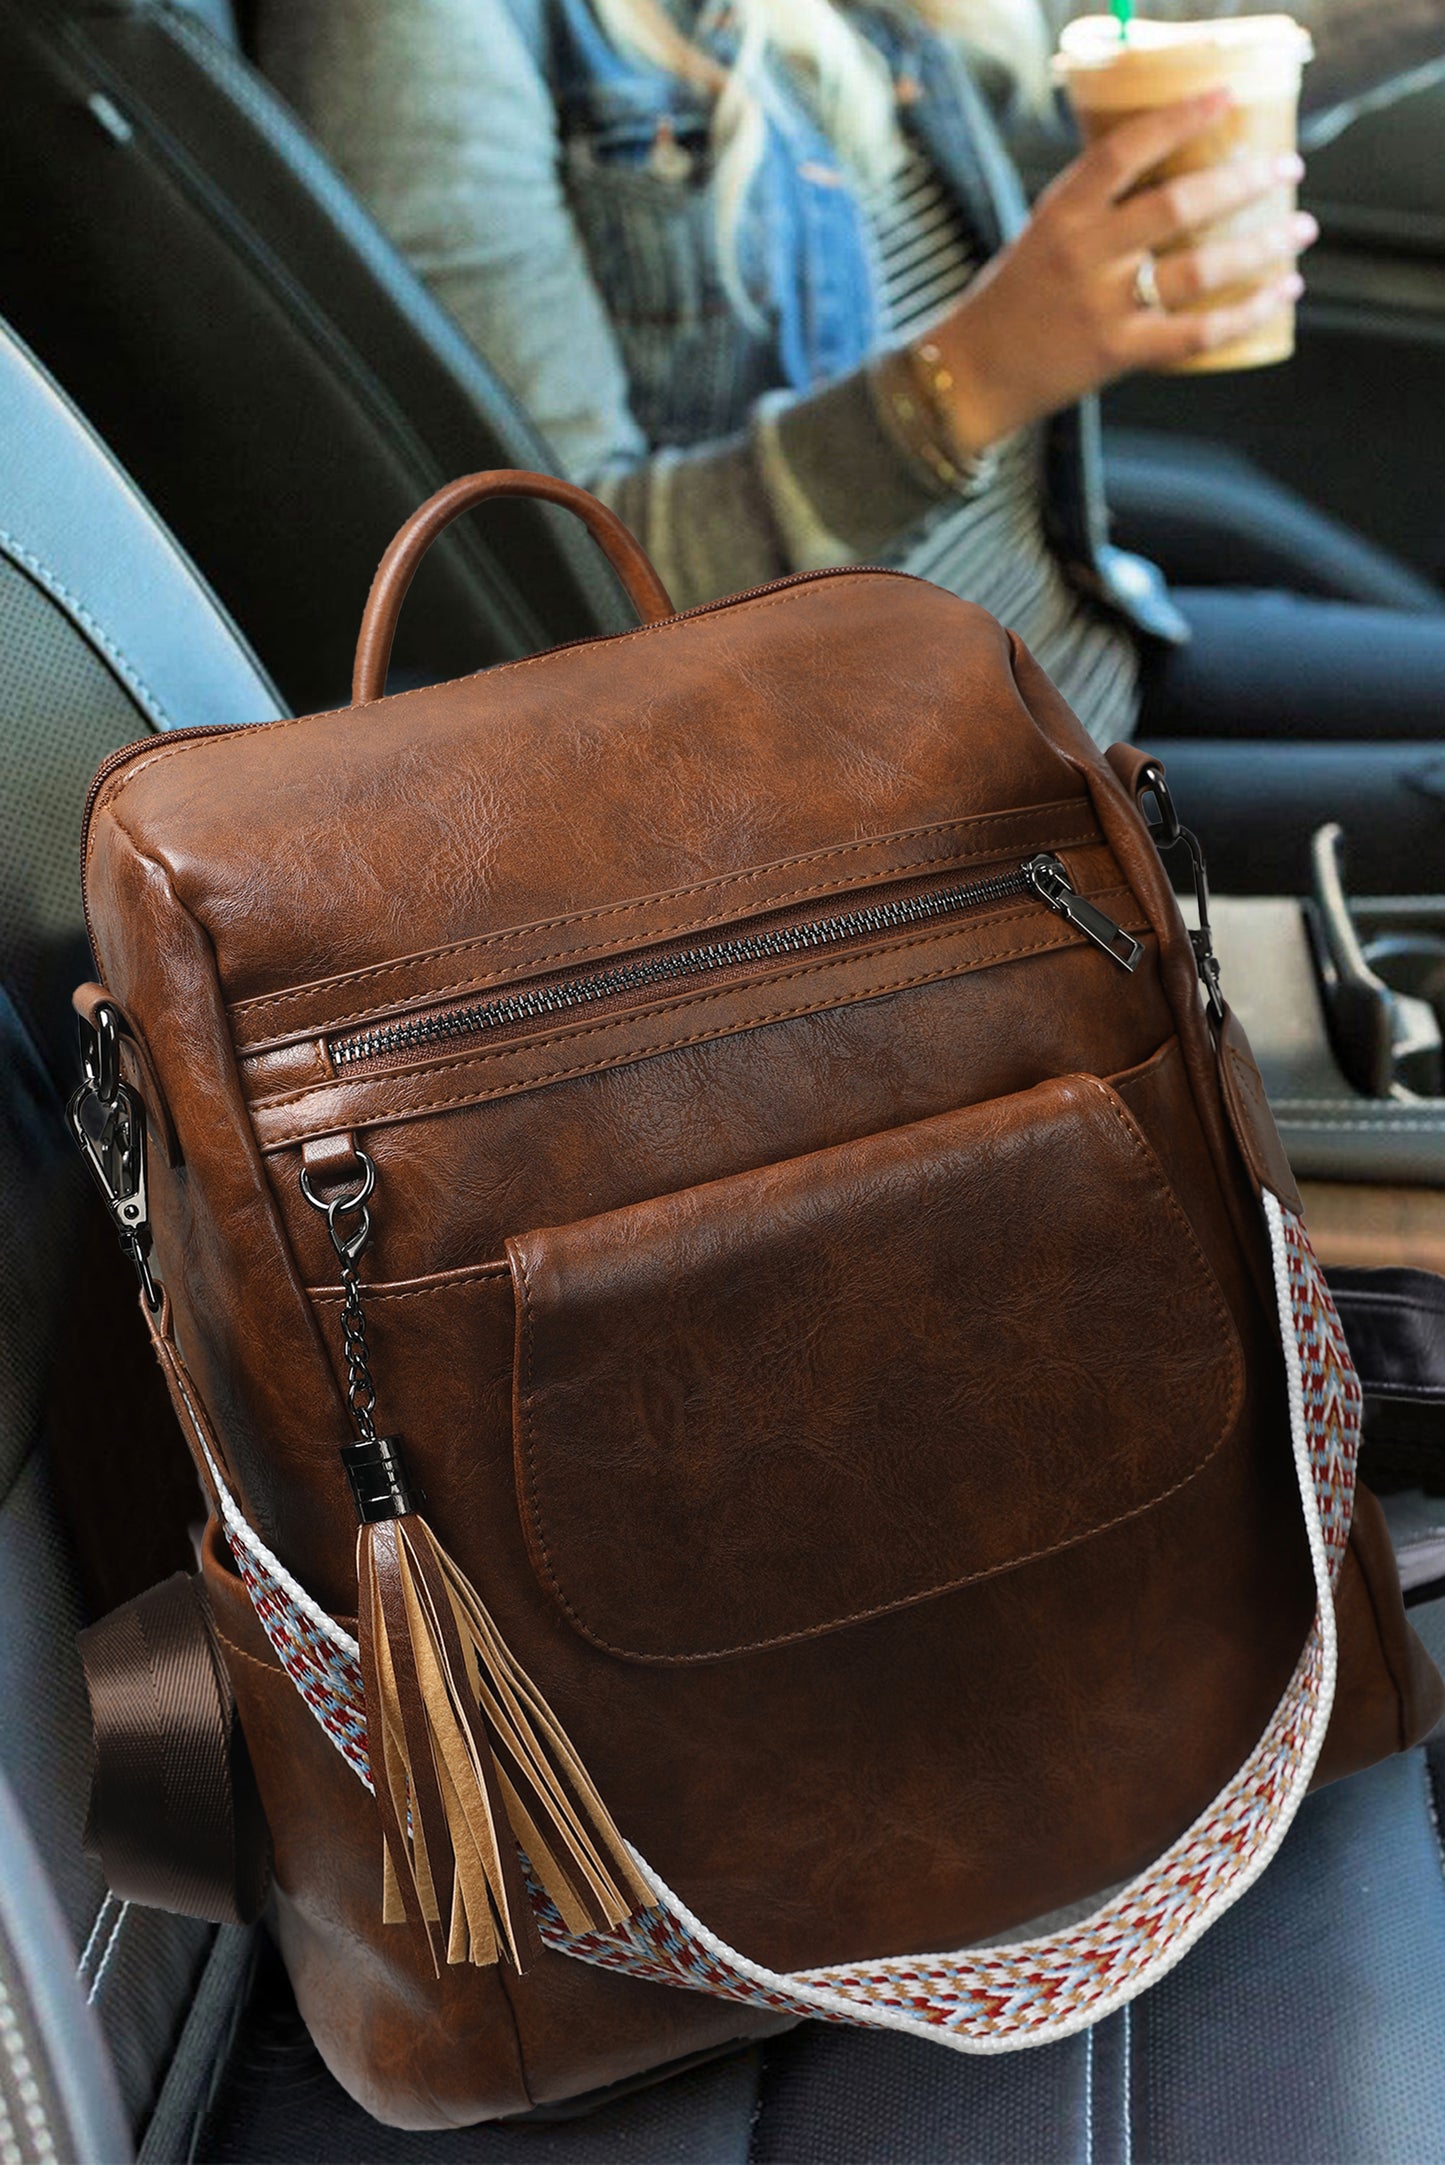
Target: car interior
point(221, 390)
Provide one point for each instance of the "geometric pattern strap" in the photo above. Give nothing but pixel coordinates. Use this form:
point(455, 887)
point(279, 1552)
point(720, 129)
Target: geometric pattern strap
point(1032, 1992)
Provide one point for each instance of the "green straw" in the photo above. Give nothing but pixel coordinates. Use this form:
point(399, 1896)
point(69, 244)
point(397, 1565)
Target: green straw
point(1124, 15)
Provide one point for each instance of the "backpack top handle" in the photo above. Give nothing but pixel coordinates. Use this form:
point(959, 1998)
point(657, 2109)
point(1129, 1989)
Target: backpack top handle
point(644, 589)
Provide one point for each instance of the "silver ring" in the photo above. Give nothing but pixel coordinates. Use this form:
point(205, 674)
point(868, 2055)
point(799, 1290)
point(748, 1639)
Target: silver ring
point(1146, 283)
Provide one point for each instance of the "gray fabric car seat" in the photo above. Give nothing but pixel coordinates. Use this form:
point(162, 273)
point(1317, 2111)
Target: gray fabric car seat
point(1304, 2030)
point(285, 391)
point(106, 631)
point(58, 2098)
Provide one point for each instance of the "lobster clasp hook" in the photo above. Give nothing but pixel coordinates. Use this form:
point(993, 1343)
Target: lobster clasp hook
point(349, 1246)
point(1167, 831)
point(1164, 826)
point(107, 1120)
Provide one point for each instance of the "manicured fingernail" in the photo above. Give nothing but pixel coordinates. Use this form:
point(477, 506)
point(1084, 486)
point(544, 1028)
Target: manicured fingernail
point(1293, 286)
point(1305, 229)
point(1289, 166)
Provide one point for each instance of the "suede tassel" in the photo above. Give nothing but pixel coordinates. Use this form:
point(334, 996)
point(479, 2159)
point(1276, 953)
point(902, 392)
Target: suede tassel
point(469, 1762)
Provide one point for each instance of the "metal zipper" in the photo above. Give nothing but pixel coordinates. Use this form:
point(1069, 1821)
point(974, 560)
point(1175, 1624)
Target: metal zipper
point(1043, 876)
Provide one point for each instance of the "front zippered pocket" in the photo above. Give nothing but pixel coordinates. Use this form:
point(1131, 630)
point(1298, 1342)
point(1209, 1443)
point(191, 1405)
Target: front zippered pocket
point(778, 937)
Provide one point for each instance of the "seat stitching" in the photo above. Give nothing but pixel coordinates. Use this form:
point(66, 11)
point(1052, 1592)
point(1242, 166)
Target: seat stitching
point(101, 1916)
point(1088, 2097)
point(1284, 1113)
point(9, 2145)
point(27, 2089)
point(1128, 2088)
point(1362, 1297)
point(56, 588)
point(110, 1946)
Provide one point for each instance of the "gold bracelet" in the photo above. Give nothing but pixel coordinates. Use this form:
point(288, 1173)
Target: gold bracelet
point(914, 383)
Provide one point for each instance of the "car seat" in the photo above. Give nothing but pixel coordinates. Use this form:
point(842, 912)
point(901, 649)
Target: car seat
point(185, 261)
point(1304, 2030)
point(106, 631)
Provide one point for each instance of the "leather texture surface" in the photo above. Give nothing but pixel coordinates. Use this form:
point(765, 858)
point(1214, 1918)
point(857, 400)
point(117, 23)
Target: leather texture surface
point(1250, 1115)
point(942, 1772)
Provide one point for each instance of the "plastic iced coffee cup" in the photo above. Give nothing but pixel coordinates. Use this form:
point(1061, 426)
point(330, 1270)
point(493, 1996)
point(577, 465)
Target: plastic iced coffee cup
point(1110, 75)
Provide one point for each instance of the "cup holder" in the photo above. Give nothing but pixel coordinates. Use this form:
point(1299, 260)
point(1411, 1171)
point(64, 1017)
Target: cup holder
point(1383, 983)
point(1412, 962)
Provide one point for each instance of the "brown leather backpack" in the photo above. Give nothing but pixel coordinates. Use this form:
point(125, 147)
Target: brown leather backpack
point(716, 1147)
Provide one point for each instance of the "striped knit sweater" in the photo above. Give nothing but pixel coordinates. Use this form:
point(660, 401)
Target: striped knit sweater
point(990, 545)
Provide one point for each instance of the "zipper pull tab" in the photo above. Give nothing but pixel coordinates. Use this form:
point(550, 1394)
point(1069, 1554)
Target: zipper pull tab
point(1051, 883)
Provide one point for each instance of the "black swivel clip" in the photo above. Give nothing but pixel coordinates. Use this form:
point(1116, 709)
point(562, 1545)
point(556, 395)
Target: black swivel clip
point(1167, 834)
point(107, 1119)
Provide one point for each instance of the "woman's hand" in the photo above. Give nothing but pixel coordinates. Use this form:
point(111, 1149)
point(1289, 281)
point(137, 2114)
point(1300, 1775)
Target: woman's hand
point(1057, 314)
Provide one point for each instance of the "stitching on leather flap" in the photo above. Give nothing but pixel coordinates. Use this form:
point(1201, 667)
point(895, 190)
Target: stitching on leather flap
point(531, 1477)
point(1078, 834)
point(1058, 939)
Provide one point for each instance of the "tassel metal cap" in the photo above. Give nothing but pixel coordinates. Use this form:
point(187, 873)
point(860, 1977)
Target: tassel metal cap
point(378, 1476)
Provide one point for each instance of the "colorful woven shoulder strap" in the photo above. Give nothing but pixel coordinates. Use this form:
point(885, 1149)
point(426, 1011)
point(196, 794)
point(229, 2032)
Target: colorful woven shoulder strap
point(999, 1998)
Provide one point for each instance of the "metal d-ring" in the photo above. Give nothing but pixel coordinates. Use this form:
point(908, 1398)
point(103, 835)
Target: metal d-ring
point(349, 1246)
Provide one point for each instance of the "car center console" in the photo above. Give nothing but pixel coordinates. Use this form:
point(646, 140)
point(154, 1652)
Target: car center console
point(1344, 1003)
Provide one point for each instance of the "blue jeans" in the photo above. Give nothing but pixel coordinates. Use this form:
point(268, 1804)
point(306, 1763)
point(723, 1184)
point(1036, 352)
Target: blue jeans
point(1285, 711)
point(1289, 665)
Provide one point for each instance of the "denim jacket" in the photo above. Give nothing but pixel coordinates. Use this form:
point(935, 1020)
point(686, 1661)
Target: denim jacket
point(554, 193)
point(635, 143)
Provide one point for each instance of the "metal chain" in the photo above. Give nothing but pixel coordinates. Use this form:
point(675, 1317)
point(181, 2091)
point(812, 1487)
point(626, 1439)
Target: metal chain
point(350, 1247)
point(360, 1390)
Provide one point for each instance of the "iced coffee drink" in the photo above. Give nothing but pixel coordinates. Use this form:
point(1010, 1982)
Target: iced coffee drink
point(1111, 75)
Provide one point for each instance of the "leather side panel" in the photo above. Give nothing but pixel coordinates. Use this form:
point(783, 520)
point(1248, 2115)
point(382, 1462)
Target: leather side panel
point(241, 1316)
point(1250, 1115)
point(1139, 861)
